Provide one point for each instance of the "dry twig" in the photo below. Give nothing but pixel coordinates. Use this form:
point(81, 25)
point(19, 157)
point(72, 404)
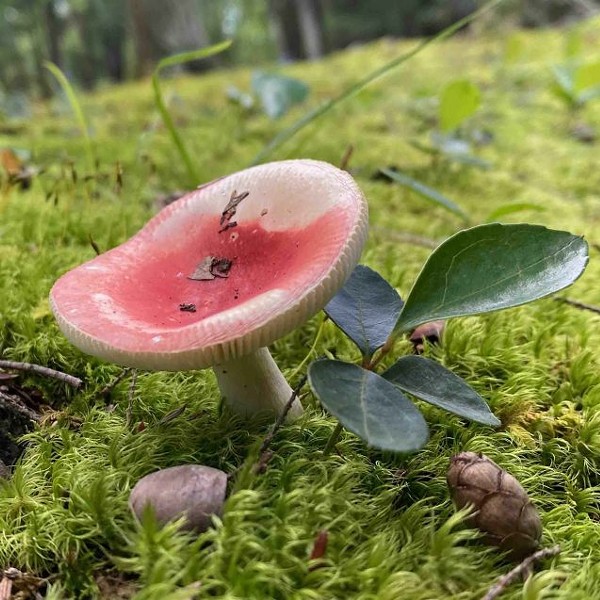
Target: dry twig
point(129, 413)
point(14, 403)
point(521, 569)
point(45, 371)
point(264, 454)
point(581, 305)
point(346, 157)
point(108, 388)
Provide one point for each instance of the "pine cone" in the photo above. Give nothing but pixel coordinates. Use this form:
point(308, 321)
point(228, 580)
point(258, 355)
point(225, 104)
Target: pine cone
point(504, 511)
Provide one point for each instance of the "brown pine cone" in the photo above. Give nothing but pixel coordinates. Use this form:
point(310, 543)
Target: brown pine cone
point(504, 511)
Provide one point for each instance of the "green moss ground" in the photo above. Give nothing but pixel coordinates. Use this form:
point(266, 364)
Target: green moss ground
point(392, 530)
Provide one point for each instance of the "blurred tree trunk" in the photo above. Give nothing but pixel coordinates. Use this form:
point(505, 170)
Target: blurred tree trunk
point(282, 17)
point(310, 21)
point(85, 28)
point(54, 33)
point(164, 27)
point(113, 37)
point(298, 28)
point(141, 36)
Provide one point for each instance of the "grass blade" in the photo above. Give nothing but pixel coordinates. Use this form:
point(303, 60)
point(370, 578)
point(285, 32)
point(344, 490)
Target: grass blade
point(426, 192)
point(170, 61)
point(76, 107)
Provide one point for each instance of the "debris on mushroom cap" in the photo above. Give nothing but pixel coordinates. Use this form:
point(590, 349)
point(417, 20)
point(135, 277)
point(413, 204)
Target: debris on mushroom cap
point(194, 491)
point(504, 511)
point(300, 228)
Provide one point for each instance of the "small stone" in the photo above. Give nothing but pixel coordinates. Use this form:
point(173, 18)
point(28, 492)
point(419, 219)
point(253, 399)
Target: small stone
point(194, 491)
point(505, 513)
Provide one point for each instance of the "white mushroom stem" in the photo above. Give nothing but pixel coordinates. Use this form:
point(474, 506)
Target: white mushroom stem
point(254, 384)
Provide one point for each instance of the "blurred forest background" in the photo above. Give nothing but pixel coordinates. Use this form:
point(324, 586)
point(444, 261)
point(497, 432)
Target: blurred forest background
point(98, 41)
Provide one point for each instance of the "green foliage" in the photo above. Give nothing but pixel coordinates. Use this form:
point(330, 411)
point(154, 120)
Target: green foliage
point(458, 101)
point(172, 61)
point(366, 81)
point(76, 106)
point(577, 84)
point(491, 267)
point(429, 381)
point(426, 192)
point(478, 270)
point(368, 405)
point(365, 309)
point(277, 93)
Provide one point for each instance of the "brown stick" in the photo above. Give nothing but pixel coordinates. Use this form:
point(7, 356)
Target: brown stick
point(45, 371)
point(346, 157)
point(264, 454)
point(500, 586)
point(15, 404)
point(581, 305)
point(129, 412)
point(108, 388)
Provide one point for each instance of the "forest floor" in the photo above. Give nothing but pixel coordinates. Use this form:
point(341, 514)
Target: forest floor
point(392, 530)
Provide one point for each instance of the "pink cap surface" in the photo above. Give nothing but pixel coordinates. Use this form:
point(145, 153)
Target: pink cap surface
point(287, 246)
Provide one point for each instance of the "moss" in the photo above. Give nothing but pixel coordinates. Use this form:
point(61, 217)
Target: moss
point(391, 529)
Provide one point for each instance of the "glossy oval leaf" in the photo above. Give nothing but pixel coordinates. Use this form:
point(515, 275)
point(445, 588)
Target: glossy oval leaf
point(365, 309)
point(425, 192)
point(368, 405)
point(432, 382)
point(458, 101)
point(491, 267)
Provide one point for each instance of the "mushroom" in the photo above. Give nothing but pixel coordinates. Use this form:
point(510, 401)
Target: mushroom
point(220, 274)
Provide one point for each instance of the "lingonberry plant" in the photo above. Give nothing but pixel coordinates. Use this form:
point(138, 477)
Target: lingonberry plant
point(478, 270)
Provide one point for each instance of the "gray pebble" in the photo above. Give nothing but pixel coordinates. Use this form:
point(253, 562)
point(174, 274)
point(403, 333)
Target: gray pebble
point(196, 491)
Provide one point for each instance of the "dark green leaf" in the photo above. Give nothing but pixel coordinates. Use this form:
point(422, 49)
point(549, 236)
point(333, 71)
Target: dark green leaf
point(430, 381)
point(365, 309)
point(278, 93)
point(490, 267)
point(368, 405)
point(425, 192)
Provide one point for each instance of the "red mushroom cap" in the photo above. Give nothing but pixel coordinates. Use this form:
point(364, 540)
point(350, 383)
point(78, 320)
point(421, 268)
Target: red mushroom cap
point(222, 271)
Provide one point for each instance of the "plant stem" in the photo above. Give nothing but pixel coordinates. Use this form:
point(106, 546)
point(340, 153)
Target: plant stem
point(522, 568)
point(333, 439)
point(581, 305)
point(310, 351)
point(264, 454)
point(170, 61)
point(76, 106)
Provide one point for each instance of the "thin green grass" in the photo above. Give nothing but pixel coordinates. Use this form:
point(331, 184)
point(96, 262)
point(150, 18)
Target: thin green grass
point(177, 138)
point(392, 531)
point(77, 110)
